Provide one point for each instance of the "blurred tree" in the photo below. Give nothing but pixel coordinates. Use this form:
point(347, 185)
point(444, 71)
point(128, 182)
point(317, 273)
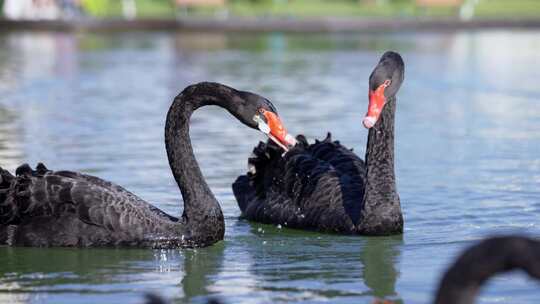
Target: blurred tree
point(96, 7)
point(253, 1)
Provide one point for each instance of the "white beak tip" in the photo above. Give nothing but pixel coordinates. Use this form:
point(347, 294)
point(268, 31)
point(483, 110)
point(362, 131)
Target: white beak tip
point(291, 141)
point(369, 122)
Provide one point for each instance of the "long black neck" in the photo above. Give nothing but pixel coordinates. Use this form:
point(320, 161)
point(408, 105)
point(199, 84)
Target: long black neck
point(381, 201)
point(200, 205)
point(463, 280)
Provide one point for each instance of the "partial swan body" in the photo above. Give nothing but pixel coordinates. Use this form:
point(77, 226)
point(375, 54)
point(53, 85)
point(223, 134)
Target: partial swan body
point(63, 208)
point(325, 186)
point(475, 266)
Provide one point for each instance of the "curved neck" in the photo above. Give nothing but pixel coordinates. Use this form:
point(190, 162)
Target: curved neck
point(380, 176)
point(199, 202)
point(381, 212)
point(462, 282)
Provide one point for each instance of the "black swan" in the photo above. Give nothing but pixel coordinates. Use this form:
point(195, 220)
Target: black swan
point(63, 208)
point(462, 281)
point(325, 186)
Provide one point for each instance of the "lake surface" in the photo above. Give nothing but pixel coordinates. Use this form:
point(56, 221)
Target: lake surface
point(467, 158)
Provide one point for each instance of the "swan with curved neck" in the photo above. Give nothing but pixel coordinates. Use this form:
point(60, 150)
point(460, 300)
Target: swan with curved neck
point(63, 208)
point(475, 266)
point(325, 186)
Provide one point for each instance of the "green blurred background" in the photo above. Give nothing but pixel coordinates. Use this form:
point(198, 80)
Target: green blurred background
point(311, 8)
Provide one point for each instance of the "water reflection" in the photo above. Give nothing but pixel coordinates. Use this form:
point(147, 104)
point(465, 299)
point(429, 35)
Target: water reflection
point(76, 264)
point(322, 268)
point(197, 42)
point(109, 271)
point(54, 274)
point(11, 151)
point(380, 257)
point(43, 54)
point(201, 268)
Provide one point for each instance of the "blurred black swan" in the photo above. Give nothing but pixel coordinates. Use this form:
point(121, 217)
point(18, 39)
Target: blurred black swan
point(63, 208)
point(325, 186)
point(462, 281)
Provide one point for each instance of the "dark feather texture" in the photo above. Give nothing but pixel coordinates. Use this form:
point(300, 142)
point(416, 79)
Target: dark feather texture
point(63, 208)
point(325, 186)
point(480, 262)
point(319, 186)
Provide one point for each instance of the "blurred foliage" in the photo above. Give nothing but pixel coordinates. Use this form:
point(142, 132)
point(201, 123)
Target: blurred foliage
point(305, 8)
point(145, 8)
point(300, 8)
point(313, 8)
point(375, 8)
point(96, 7)
point(508, 8)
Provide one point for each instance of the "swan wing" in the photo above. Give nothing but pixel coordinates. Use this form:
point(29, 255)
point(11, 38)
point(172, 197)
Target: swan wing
point(318, 186)
point(42, 193)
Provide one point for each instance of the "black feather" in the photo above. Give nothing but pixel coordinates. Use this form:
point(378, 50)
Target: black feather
point(316, 186)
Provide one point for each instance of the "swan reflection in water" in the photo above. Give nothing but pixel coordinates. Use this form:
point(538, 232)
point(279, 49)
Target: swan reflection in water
point(380, 257)
point(361, 267)
point(96, 275)
point(201, 268)
point(105, 275)
point(460, 284)
point(295, 265)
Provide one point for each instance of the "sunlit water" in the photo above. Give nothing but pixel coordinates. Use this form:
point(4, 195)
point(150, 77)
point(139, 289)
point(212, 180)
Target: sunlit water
point(467, 158)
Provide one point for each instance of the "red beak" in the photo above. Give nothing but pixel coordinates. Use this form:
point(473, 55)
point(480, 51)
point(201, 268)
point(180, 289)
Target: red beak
point(376, 104)
point(277, 130)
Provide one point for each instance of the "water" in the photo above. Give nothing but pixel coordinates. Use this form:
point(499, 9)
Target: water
point(467, 158)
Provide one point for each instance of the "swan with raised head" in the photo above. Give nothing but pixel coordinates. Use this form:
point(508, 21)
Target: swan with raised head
point(63, 208)
point(325, 186)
